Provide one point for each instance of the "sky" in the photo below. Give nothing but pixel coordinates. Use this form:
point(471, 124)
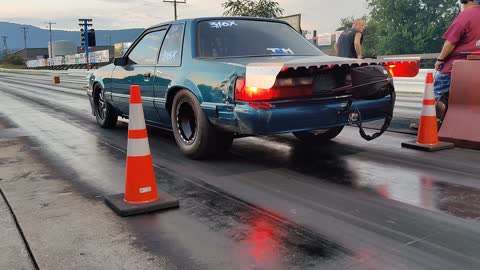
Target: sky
point(321, 15)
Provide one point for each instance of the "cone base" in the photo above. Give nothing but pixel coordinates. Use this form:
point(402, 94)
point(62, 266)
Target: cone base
point(124, 209)
point(427, 147)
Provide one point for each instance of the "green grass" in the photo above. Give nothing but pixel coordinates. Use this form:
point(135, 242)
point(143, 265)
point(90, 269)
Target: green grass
point(10, 66)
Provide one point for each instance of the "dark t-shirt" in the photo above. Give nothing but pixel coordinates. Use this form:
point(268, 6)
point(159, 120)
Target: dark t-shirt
point(346, 43)
point(465, 34)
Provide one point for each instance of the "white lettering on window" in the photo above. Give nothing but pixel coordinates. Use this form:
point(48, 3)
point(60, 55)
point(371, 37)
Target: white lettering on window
point(168, 55)
point(222, 24)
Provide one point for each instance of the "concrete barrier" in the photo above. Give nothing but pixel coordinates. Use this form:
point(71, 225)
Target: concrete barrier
point(71, 72)
point(33, 71)
point(461, 124)
point(79, 72)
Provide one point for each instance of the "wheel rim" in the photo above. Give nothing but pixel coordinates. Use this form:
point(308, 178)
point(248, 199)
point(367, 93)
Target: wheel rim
point(186, 123)
point(101, 106)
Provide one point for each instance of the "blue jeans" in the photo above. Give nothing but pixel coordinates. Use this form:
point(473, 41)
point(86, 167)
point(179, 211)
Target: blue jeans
point(441, 85)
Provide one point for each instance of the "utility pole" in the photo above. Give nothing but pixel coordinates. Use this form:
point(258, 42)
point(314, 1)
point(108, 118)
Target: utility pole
point(5, 49)
point(175, 2)
point(50, 30)
point(24, 29)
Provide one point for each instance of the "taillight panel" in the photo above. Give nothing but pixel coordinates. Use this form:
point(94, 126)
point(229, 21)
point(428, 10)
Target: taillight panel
point(283, 89)
point(403, 69)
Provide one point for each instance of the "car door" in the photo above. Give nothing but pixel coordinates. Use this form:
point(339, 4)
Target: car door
point(168, 69)
point(139, 70)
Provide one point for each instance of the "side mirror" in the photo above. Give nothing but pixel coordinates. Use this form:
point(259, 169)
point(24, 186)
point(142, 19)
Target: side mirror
point(122, 61)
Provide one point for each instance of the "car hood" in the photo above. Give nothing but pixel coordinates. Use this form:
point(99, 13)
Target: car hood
point(262, 72)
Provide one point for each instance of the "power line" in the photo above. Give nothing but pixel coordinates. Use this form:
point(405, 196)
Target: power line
point(175, 2)
point(24, 29)
point(50, 32)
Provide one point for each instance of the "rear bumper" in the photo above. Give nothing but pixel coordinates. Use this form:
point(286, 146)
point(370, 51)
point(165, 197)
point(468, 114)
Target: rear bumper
point(250, 121)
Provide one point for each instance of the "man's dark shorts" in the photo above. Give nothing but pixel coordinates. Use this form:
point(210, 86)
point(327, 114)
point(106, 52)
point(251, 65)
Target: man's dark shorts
point(442, 84)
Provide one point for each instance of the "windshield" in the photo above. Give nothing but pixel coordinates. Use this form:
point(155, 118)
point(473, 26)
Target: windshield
point(241, 38)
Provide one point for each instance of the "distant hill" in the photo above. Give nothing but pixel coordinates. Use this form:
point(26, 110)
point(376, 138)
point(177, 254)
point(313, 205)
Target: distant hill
point(38, 37)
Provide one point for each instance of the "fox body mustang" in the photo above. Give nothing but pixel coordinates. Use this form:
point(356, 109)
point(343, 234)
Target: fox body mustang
point(210, 80)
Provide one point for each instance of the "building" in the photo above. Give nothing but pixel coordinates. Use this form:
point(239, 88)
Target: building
point(31, 53)
point(98, 48)
point(62, 48)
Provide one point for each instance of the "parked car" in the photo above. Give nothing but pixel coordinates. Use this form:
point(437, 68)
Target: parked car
point(210, 80)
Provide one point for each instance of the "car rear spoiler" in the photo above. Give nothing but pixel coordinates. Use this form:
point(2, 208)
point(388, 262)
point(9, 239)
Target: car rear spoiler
point(264, 75)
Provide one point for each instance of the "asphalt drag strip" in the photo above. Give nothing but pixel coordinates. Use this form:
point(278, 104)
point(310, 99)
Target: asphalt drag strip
point(271, 204)
point(60, 208)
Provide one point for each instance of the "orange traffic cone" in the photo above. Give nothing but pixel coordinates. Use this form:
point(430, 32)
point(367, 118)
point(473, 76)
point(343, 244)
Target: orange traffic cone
point(428, 131)
point(141, 194)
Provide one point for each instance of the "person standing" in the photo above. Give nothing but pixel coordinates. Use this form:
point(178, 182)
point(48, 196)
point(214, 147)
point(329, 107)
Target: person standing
point(349, 43)
point(463, 35)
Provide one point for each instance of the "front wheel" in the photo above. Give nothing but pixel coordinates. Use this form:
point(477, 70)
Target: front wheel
point(104, 112)
point(318, 136)
point(193, 132)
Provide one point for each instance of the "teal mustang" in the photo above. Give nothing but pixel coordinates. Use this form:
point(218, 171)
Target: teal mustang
point(210, 80)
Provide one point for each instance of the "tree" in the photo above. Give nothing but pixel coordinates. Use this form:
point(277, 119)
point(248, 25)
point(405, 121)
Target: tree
point(306, 32)
point(252, 8)
point(346, 23)
point(410, 26)
point(371, 40)
point(14, 60)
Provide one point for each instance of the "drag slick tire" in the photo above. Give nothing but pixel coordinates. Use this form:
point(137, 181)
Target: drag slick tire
point(318, 136)
point(196, 137)
point(104, 112)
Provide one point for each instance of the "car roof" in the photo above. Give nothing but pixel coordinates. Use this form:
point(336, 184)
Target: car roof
point(218, 18)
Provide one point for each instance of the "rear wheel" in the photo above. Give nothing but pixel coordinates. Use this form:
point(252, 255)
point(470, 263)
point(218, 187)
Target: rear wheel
point(104, 112)
point(194, 134)
point(318, 136)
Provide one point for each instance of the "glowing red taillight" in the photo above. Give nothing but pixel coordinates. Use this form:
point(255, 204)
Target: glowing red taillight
point(403, 69)
point(247, 93)
point(283, 89)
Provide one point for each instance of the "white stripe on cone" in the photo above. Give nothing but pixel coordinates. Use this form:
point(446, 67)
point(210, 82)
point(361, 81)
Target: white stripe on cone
point(429, 110)
point(136, 119)
point(429, 93)
point(138, 147)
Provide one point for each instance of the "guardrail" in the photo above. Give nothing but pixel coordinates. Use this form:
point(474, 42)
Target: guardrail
point(82, 73)
point(415, 85)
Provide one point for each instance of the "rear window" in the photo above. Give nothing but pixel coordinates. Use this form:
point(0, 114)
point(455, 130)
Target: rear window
point(242, 38)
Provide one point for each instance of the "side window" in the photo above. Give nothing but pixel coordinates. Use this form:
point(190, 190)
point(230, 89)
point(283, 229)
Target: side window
point(146, 51)
point(171, 53)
